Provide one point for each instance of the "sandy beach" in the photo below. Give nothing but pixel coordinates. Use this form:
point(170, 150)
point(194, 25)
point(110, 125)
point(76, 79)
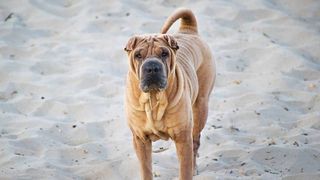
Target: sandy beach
point(62, 81)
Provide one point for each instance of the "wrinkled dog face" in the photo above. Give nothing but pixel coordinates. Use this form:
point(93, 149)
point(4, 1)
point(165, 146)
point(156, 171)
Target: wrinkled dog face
point(152, 59)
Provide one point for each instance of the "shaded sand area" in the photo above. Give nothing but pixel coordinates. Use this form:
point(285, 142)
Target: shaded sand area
point(62, 76)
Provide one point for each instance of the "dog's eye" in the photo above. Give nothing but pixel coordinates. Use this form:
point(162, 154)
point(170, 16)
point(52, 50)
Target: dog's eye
point(164, 54)
point(138, 56)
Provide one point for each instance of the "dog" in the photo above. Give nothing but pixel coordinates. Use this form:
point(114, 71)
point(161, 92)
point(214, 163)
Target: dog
point(169, 81)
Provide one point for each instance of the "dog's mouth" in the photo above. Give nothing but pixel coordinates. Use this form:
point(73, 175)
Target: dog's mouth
point(153, 83)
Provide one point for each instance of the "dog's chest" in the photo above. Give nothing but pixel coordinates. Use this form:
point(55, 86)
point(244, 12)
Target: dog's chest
point(154, 106)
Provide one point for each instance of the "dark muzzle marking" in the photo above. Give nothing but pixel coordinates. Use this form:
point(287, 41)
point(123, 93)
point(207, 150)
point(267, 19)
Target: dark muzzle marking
point(153, 76)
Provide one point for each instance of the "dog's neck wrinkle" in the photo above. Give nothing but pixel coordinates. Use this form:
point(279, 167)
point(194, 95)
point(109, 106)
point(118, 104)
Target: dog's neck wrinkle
point(134, 91)
point(175, 88)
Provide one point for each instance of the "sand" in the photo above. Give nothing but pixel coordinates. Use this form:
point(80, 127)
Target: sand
point(62, 77)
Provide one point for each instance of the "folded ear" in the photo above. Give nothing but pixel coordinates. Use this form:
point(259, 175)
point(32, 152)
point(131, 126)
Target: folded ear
point(131, 44)
point(171, 41)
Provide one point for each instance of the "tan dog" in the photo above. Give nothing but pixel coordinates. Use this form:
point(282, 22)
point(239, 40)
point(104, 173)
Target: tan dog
point(168, 86)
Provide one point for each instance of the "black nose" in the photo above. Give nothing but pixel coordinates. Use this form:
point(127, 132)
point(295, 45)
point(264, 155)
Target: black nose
point(152, 67)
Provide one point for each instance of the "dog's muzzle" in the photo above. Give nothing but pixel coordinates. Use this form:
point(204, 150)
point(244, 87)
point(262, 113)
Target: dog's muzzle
point(153, 76)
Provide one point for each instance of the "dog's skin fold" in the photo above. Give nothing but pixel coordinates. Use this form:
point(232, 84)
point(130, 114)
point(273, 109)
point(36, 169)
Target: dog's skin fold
point(168, 98)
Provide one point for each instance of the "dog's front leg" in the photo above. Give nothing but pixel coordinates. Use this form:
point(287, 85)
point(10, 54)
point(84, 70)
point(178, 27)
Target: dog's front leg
point(143, 151)
point(184, 148)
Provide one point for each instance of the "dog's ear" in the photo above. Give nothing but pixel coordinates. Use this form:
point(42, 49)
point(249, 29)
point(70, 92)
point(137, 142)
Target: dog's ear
point(171, 41)
point(131, 44)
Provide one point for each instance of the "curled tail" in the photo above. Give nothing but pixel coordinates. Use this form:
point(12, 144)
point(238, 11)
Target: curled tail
point(188, 22)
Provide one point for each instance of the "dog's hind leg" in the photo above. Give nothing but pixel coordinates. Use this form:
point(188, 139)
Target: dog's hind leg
point(206, 77)
point(200, 113)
